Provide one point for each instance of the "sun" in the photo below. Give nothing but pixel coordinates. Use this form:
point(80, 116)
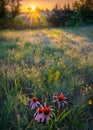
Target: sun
point(33, 7)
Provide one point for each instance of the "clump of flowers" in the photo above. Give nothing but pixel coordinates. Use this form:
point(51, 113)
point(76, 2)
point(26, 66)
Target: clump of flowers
point(34, 102)
point(60, 99)
point(43, 114)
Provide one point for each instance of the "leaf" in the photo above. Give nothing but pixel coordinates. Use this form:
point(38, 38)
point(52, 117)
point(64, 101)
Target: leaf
point(51, 126)
point(63, 117)
point(54, 115)
point(62, 113)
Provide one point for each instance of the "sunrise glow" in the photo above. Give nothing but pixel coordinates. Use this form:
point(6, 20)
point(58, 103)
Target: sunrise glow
point(33, 7)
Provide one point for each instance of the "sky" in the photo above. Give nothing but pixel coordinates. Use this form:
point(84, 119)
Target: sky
point(43, 4)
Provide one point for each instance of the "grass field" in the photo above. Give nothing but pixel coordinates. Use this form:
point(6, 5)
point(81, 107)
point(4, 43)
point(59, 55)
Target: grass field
point(41, 63)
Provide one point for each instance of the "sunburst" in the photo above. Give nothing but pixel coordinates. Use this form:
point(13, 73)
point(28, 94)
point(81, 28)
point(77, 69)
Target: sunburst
point(33, 17)
point(33, 7)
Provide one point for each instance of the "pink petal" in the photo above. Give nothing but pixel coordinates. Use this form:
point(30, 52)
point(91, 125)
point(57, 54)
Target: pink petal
point(47, 119)
point(44, 104)
point(37, 119)
point(55, 100)
point(65, 102)
point(58, 105)
point(41, 115)
point(51, 115)
point(38, 102)
point(42, 120)
point(31, 104)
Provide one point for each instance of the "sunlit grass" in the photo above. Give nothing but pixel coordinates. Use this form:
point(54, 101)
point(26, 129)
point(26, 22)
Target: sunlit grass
point(42, 62)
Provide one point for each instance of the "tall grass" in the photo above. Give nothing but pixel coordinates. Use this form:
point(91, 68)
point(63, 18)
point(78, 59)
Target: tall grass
point(41, 63)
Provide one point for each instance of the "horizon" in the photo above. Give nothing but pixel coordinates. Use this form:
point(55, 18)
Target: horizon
point(46, 4)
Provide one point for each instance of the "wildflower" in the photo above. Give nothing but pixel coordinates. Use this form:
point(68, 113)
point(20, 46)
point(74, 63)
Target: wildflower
point(19, 117)
point(60, 99)
point(19, 68)
point(84, 91)
point(56, 75)
point(58, 63)
point(28, 76)
point(43, 114)
point(90, 102)
point(89, 87)
point(64, 66)
point(79, 67)
point(38, 114)
point(34, 102)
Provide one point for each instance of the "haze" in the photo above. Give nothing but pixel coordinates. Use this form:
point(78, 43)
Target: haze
point(43, 4)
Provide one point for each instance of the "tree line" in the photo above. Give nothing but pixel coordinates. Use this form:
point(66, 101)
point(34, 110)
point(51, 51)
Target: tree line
point(9, 8)
point(81, 12)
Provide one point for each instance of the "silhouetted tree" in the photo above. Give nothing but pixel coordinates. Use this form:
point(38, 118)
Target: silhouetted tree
point(54, 17)
point(15, 7)
point(59, 16)
point(12, 6)
point(46, 10)
point(57, 7)
point(84, 9)
point(3, 8)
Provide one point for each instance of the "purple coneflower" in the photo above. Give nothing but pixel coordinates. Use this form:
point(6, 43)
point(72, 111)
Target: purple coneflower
point(38, 114)
point(43, 114)
point(34, 102)
point(60, 99)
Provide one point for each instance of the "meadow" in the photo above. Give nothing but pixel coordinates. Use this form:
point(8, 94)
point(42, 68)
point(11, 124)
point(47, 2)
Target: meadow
point(43, 63)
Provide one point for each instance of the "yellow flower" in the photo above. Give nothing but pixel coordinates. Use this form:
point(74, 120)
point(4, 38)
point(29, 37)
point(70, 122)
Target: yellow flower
point(60, 59)
point(18, 68)
point(56, 75)
point(58, 63)
point(64, 66)
point(79, 67)
point(28, 76)
point(90, 102)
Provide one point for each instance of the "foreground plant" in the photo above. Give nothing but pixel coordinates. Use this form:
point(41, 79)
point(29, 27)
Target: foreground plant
point(34, 102)
point(38, 114)
point(58, 121)
point(43, 114)
point(60, 99)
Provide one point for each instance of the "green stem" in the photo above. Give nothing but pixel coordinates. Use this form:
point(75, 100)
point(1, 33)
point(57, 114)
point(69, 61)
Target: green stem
point(30, 123)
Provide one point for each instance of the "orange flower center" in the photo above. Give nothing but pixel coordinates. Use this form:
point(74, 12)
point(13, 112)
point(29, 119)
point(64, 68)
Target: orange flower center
point(41, 110)
point(46, 110)
point(34, 99)
point(60, 97)
point(84, 91)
